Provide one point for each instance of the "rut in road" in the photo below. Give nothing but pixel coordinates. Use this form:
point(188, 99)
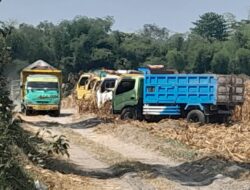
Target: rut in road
point(84, 163)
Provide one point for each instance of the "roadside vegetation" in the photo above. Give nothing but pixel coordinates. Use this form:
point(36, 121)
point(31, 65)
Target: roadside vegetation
point(12, 175)
point(18, 147)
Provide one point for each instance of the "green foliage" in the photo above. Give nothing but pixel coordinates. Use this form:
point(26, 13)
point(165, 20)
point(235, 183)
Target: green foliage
point(211, 26)
point(176, 60)
point(84, 44)
point(220, 62)
point(155, 32)
point(203, 58)
point(12, 175)
point(243, 61)
point(58, 144)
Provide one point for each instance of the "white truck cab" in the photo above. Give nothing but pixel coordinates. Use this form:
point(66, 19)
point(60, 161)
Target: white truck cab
point(105, 90)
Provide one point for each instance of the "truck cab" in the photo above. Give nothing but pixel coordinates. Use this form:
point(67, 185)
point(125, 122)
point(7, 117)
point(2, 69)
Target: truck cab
point(127, 99)
point(42, 92)
point(81, 86)
point(41, 88)
point(104, 92)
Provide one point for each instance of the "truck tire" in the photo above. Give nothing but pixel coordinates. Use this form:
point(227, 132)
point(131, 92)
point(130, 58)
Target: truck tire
point(128, 114)
point(196, 116)
point(27, 112)
point(55, 113)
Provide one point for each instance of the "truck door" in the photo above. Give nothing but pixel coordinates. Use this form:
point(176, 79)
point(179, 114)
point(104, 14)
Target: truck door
point(81, 87)
point(125, 94)
point(106, 90)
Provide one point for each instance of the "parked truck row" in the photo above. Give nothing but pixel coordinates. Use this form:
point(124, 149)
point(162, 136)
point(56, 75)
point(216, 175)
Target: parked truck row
point(150, 93)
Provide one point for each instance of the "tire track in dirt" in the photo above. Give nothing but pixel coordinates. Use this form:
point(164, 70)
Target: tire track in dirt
point(89, 164)
point(130, 165)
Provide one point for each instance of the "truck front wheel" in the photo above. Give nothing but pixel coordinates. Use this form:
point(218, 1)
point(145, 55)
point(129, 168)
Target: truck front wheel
point(27, 112)
point(128, 114)
point(196, 116)
point(55, 113)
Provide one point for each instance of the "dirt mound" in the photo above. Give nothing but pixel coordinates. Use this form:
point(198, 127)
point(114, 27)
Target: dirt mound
point(242, 112)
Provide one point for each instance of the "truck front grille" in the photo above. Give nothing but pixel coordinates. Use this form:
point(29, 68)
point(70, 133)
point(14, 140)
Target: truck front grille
point(42, 102)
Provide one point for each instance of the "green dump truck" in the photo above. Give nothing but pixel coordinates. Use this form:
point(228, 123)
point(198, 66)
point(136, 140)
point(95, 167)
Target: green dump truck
point(41, 89)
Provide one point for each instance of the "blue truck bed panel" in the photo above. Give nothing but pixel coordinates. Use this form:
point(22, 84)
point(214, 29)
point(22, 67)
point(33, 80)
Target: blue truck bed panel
point(180, 89)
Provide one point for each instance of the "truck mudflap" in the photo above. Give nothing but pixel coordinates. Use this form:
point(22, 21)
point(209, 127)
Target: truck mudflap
point(43, 107)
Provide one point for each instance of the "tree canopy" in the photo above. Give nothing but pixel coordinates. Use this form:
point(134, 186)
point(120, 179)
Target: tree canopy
point(217, 43)
point(211, 26)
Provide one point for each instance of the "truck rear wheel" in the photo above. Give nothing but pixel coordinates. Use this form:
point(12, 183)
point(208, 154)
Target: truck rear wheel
point(196, 116)
point(128, 114)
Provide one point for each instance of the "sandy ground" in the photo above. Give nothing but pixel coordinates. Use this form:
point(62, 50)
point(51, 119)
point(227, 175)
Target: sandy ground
point(120, 156)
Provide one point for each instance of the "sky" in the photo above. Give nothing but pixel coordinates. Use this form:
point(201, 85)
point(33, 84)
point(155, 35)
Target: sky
point(129, 15)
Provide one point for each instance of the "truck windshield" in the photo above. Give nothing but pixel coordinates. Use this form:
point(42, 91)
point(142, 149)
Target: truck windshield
point(83, 81)
point(109, 83)
point(42, 85)
point(125, 85)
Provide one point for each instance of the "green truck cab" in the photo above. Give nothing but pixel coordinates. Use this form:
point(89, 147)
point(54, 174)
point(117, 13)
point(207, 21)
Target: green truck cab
point(127, 99)
point(41, 89)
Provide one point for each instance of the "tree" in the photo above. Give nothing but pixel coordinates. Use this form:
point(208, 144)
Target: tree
point(4, 54)
point(220, 62)
point(243, 60)
point(211, 26)
point(231, 22)
point(203, 60)
point(176, 60)
point(155, 32)
point(176, 41)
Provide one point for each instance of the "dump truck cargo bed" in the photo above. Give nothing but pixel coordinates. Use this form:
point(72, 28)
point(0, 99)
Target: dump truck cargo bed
point(176, 94)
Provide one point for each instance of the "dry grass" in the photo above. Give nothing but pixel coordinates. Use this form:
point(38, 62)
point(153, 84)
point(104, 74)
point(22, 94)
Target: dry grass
point(242, 113)
point(231, 142)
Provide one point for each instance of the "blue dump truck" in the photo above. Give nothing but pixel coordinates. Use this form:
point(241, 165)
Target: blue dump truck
point(154, 94)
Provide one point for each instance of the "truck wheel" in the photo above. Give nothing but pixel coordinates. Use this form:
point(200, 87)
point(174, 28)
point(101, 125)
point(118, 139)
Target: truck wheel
point(128, 113)
point(196, 116)
point(27, 112)
point(55, 113)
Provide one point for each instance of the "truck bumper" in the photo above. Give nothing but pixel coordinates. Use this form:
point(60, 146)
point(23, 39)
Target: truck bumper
point(42, 107)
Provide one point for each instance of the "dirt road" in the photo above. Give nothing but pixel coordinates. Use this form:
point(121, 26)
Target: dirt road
point(120, 156)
